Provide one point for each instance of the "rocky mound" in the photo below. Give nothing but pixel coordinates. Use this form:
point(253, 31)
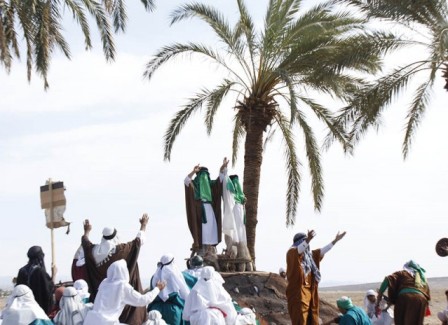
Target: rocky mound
point(265, 293)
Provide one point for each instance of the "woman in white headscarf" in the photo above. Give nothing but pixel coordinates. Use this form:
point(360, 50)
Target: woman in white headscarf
point(83, 290)
point(208, 302)
point(73, 311)
point(170, 301)
point(22, 309)
point(115, 293)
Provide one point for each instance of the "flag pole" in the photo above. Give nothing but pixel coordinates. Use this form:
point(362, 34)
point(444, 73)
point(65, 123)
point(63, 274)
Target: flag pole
point(50, 187)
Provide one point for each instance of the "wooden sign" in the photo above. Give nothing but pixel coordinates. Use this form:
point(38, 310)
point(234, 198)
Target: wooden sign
point(52, 197)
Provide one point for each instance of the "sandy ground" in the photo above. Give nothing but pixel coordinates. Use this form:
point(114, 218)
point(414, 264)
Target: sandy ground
point(438, 301)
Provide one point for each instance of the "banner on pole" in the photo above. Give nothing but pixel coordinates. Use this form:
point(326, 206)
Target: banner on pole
point(52, 200)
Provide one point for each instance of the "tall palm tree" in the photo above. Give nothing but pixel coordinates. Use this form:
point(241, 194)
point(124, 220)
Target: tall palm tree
point(272, 74)
point(425, 23)
point(41, 22)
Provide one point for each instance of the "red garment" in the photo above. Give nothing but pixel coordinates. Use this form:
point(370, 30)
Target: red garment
point(78, 272)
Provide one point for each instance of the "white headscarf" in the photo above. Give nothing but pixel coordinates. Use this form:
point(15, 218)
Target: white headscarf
point(155, 318)
point(72, 309)
point(175, 282)
point(22, 308)
point(83, 289)
point(246, 316)
point(106, 248)
point(209, 292)
point(370, 306)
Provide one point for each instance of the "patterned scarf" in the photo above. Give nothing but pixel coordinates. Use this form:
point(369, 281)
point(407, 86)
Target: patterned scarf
point(308, 263)
point(418, 272)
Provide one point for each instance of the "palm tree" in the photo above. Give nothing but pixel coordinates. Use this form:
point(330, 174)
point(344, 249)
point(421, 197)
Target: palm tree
point(426, 24)
point(41, 24)
point(273, 71)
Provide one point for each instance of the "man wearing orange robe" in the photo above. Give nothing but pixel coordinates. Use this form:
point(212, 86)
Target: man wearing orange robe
point(302, 272)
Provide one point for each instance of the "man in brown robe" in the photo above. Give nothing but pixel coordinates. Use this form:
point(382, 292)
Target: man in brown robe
point(408, 290)
point(203, 207)
point(302, 272)
point(99, 257)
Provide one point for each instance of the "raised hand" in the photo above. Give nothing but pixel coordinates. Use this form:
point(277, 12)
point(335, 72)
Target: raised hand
point(144, 221)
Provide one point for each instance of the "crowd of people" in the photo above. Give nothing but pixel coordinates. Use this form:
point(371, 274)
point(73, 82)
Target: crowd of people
point(107, 288)
point(193, 296)
point(406, 301)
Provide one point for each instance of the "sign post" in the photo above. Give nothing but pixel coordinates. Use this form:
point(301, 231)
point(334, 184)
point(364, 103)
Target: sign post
point(52, 200)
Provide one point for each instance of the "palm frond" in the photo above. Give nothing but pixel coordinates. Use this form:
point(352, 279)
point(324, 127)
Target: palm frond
point(415, 114)
point(292, 168)
point(103, 25)
point(215, 98)
point(237, 135)
point(179, 120)
point(365, 109)
point(149, 4)
point(81, 18)
point(336, 129)
point(313, 155)
point(169, 52)
point(246, 26)
point(119, 15)
point(219, 25)
point(208, 14)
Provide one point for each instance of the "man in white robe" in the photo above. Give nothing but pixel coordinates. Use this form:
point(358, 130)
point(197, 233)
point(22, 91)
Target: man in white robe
point(208, 302)
point(72, 310)
point(234, 223)
point(115, 293)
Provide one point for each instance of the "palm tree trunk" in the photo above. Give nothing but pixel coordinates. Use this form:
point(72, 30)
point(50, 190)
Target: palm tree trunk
point(253, 157)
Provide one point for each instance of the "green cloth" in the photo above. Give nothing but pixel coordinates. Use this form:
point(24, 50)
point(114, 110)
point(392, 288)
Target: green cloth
point(384, 285)
point(420, 278)
point(409, 290)
point(344, 303)
point(171, 309)
point(355, 316)
point(202, 189)
point(189, 279)
point(41, 322)
point(234, 186)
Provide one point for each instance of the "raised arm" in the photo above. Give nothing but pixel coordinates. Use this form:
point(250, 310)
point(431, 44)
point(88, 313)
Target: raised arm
point(144, 222)
point(338, 237)
point(225, 162)
point(87, 227)
point(189, 177)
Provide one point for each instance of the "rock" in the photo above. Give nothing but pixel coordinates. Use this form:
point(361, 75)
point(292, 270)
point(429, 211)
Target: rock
point(265, 293)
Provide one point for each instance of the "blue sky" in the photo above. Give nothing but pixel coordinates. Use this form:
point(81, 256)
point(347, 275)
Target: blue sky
point(99, 129)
